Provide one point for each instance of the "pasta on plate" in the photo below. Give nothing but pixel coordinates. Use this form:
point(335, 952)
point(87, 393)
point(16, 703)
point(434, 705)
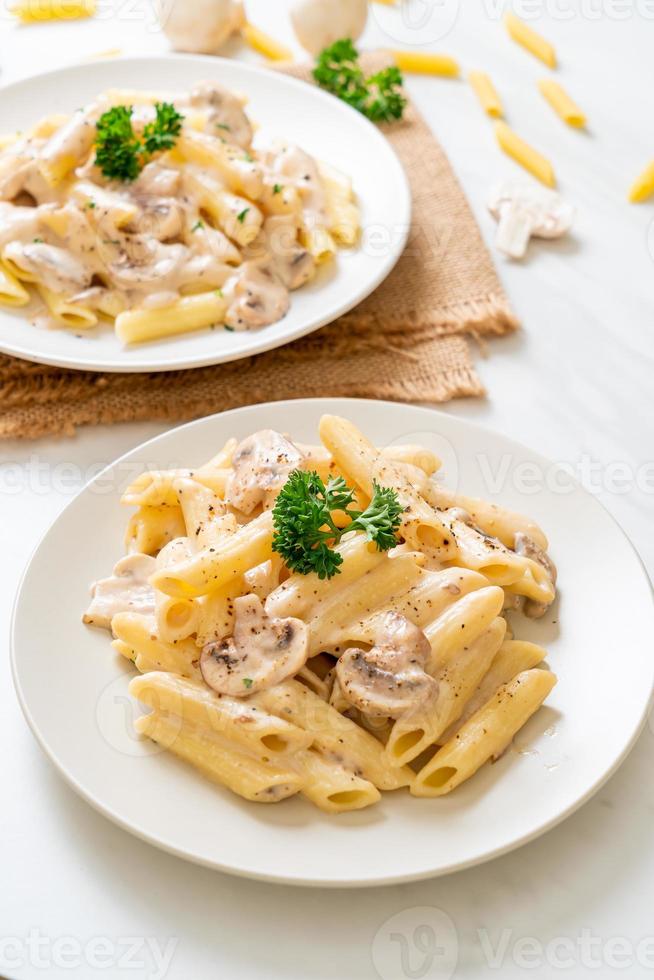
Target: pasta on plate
point(156, 212)
point(327, 620)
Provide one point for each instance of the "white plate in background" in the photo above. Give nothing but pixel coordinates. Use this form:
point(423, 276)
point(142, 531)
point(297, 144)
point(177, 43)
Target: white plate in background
point(284, 108)
point(73, 688)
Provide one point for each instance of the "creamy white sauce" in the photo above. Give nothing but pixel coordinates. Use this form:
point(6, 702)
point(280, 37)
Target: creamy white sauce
point(126, 590)
point(150, 242)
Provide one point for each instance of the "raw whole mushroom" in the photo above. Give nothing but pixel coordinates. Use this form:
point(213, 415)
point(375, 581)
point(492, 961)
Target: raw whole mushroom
point(319, 23)
point(200, 26)
point(524, 210)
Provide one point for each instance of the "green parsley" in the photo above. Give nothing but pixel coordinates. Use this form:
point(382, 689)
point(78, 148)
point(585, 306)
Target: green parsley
point(162, 133)
point(248, 682)
point(117, 148)
point(241, 217)
point(37, 241)
point(120, 154)
point(224, 126)
point(198, 224)
point(230, 329)
point(379, 96)
point(305, 531)
point(277, 189)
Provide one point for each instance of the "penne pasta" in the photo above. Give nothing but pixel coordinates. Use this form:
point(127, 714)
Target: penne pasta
point(184, 316)
point(264, 44)
point(562, 104)
point(325, 620)
point(12, 292)
point(486, 735)
point(486, 92)
point(643, 186)
point(421, 63)
point(530, 40)
point(524, 154)
point(251, 729)
point(221, 761)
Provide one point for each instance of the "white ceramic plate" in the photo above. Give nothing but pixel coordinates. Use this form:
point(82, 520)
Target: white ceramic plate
point(73, 689)
point(284, 108)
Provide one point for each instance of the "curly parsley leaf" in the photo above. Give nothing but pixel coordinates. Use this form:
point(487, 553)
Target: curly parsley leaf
point(120, 153)
point(305, 529)
point(117, 147)
point(379, 96)
point(164, 130)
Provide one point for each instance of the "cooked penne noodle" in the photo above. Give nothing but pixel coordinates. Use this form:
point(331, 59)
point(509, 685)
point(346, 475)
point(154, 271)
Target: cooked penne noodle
point(486, 92)
point(301, 626)
point(212, 568)
point(530, 40)
point(221, 761)
point(251, 729)
point(362, 463)
point(485, 735)
point(139, 634)
point(177, 619)
point(511, 659)
point(68, 314)
point(562, 104)
point(152, 528)
point(184, 316)
point(457, 679)
point(524, 154)
point(332, 787)
point(333, 733)
point(12, 292)
point(493, 520)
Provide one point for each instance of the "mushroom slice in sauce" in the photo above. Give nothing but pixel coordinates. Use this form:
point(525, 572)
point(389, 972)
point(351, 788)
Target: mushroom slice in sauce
point(526, 546)
point(390, 679)
point(263, 651)
point(260, 297)
point(262, 464)
point(127, 590)
point(227, 118)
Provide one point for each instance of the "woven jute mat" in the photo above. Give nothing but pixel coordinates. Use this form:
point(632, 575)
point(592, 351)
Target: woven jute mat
point(406, 342)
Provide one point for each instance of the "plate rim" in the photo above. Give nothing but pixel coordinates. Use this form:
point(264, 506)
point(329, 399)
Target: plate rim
point(26, 352)
point(298, 880)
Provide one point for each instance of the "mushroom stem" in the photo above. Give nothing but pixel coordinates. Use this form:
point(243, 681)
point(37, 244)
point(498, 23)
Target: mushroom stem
point(514, 230)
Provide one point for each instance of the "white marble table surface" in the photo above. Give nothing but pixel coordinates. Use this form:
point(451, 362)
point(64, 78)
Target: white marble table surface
point(576, 385)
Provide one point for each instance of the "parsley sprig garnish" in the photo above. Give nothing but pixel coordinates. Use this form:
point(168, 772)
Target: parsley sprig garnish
point(379, 96)
point(305, 531)
point(120, 154)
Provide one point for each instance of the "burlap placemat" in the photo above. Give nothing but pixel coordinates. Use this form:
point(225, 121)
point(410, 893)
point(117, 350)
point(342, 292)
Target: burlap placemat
point(400, 344)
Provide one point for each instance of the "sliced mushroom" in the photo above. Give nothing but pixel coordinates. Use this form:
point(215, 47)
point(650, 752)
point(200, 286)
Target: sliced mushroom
point(227, 116)
point(262, 464)
point(526, 546)
point(262, 652)
point(389, 680)
point(524, 210)
point(260, 297)
point(127, 590)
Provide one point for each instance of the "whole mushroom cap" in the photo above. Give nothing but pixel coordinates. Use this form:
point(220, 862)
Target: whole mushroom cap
point(200, 26)
point(319, 23)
